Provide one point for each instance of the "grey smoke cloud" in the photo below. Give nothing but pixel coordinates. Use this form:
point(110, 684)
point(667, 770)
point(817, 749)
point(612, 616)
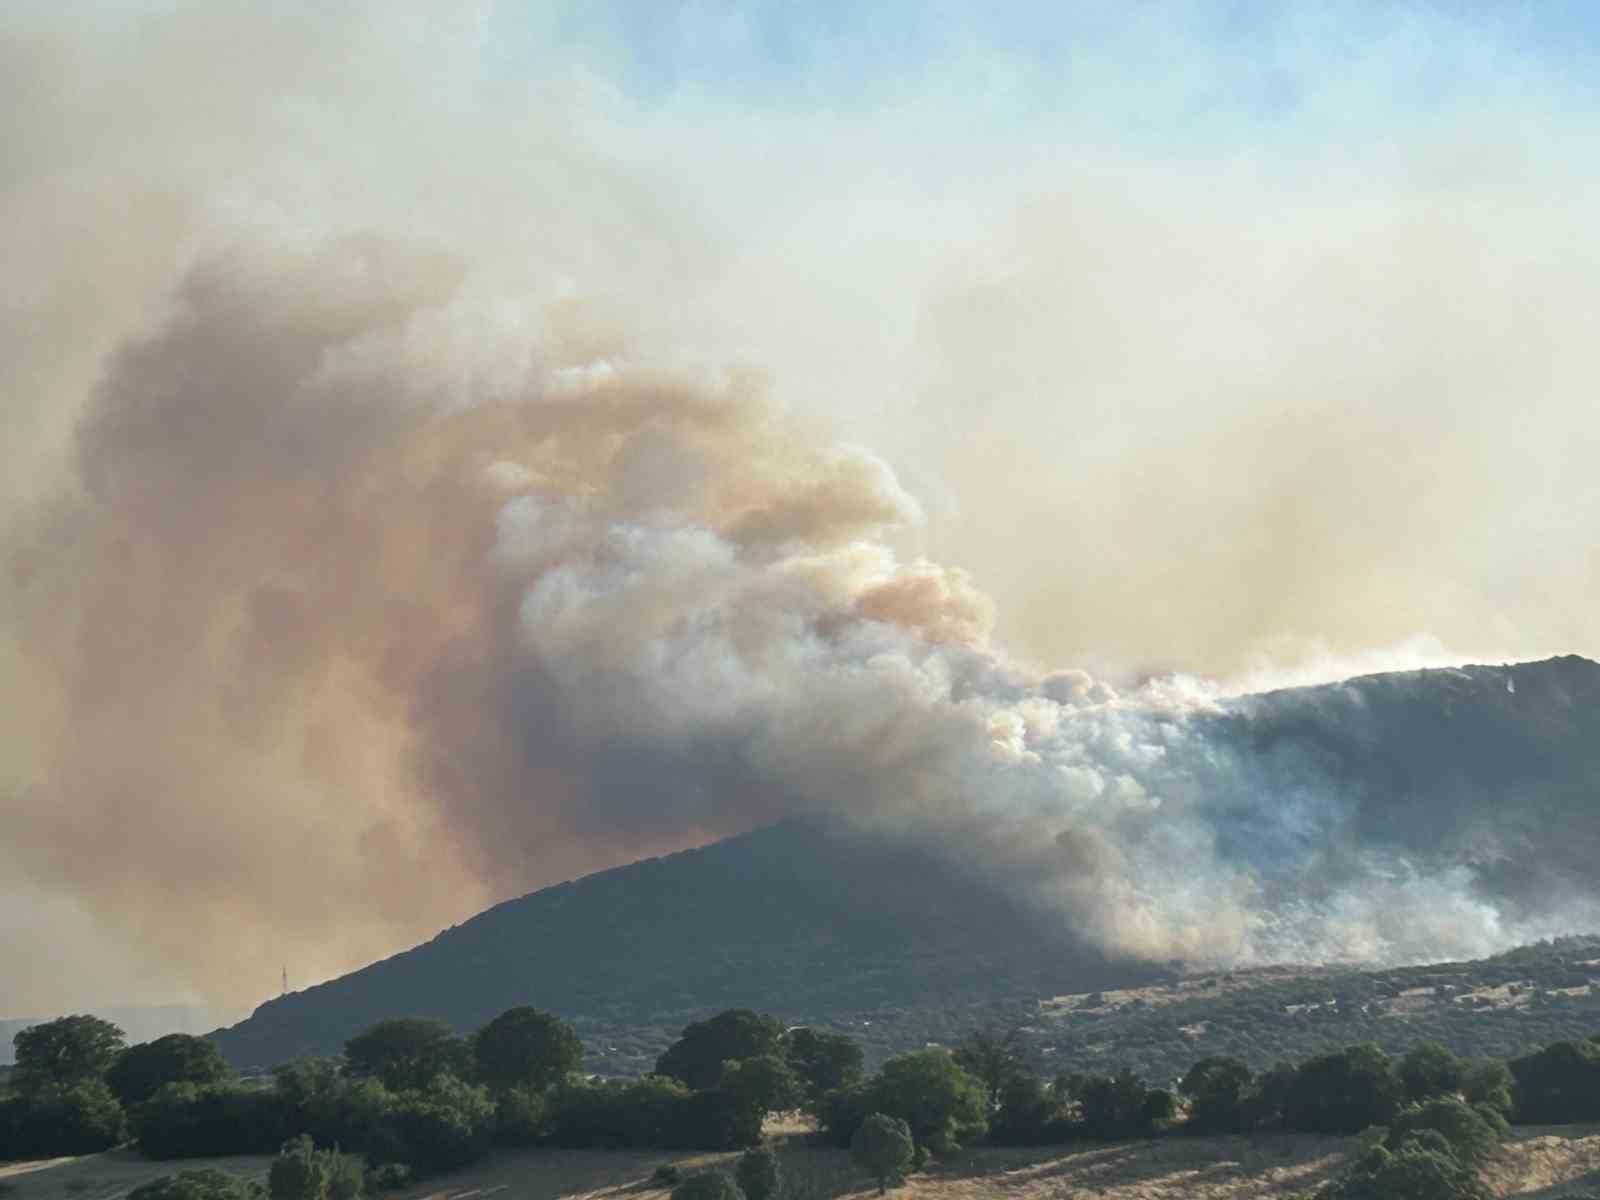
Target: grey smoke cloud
point(420, 492)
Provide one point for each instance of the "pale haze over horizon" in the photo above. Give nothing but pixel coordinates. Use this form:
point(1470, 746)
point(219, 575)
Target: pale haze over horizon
point(451, 449)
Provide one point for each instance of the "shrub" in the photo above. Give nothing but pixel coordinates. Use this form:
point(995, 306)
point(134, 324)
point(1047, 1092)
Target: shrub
point(346, 1178)
point(707, 1185)
point(1342, 1093)
point(1430, 1070)
point(208, 1184)
point(299, 1172)
point(140, 1071)
point(649, 1113)
point(81, 1118)
point(1028, 1114)
point(883, 1145)
point(1421, 1169)
point(942, 1104)
point(390, 1177)
point(1120, 1105)
point(666, 1173)
point(1559, 1084)
point(185, 1121)
point(1217, 1089)
point(1471, 1138)
point(519, 1117)
point(443, 1127)
point(757, 1173)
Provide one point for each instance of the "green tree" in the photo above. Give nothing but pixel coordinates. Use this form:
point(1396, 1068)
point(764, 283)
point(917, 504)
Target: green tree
point(1559, 1084)
point(139, 1071)
point(928, 1090)
point(1488, 1083)
point(696, 1058)
point(524, 1047)
point(406, 1052)
point(1471, 1136)
point(763, 1083)
point(446, 1126)
point(82, 1118)
point(757, 1173)
point(1421, 1169)
point(1217, 1089)
point(1342, 1093)
point(822, 1061)
point(64, 1052)
point(1429, 1070)
point(1120, 1105)
point(992, 1058)
point(883, 1145)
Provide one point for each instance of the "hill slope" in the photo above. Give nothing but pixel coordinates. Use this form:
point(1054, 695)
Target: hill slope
point(796, 918)
point(1490, 771)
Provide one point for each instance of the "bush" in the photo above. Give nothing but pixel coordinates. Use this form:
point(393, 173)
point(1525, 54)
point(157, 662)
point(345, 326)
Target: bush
point(1558, 1085)
point(185, 1121)
point(650, 1113)
point(390, 1177)
point(298, 1173)
point(1121, 1106)
point(942, 1104)
point(883, 1145)
point(1028, 1114)
point(50, 1121)
point(519, 1117)
point(757, 1173)
point(446, 1126)
point(1430, 1070)
point(1342, 1093)
point(708, 1185)
point(346, 1178)
point(1217, 1089)
point(666, 1173)
point(140, 1071)
point(1421, 1169)
point(208, 1184)
point(1471, 1138)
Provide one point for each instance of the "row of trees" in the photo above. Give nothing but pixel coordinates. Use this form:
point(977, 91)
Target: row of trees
point(412, 1095)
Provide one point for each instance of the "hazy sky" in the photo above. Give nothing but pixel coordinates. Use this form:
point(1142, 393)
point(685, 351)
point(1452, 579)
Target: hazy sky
point(388, 387)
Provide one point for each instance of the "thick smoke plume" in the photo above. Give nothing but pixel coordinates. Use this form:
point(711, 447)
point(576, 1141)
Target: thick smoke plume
point(409, 506)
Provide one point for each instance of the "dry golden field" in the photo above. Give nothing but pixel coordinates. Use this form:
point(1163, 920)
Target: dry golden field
point(1542, 1164)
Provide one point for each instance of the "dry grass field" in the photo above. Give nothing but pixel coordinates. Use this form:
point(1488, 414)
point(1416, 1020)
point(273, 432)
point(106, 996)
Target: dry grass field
point(1541, 1164)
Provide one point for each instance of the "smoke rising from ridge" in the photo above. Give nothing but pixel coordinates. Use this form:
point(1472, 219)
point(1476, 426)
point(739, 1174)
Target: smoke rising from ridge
point(421, 492)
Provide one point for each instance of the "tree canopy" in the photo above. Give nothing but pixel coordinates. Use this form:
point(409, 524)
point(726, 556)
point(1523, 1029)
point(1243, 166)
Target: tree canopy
point(524, 1047)
point(823, 1061)
point(883, 1145)
point(139, 1071)
point(696, 1058)
point(406, 1052)
point(64, 1052)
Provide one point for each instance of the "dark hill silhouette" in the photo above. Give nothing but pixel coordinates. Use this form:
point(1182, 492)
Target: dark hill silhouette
point(798, 918)
point(1492, 769)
